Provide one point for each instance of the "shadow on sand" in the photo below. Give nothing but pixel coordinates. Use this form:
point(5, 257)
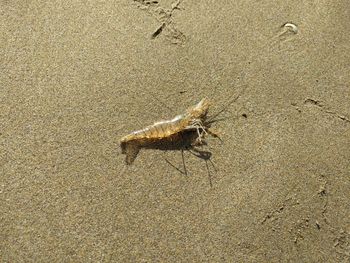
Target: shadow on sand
point(183, 141)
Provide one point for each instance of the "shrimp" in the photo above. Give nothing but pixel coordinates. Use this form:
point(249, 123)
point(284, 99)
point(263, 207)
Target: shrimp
point(188, 128)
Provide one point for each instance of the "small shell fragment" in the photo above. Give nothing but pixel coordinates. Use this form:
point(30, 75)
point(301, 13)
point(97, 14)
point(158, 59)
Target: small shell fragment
point(291, 27)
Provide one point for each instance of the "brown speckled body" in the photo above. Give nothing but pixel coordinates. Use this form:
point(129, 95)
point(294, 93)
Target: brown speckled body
point(159, 130)
point(170, 130)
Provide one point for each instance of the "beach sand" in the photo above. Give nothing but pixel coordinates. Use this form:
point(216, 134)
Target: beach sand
point(76, 76)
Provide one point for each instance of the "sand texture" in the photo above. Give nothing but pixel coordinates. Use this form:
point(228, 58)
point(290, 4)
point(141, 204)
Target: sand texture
point(77, 76)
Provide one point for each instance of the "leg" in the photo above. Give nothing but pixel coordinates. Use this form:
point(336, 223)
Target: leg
point(209, 175)
point(183, 161)
point(214, 134)
point(206, 156)
point(199, 128)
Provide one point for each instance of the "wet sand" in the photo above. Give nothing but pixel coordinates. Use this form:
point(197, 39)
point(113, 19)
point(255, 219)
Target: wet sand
point(76, 76)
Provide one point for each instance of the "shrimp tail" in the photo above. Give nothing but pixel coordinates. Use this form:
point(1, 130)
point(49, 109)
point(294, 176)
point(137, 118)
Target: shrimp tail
point(131, 149)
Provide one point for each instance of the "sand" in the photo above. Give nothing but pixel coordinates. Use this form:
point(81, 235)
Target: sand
point(76, 76)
